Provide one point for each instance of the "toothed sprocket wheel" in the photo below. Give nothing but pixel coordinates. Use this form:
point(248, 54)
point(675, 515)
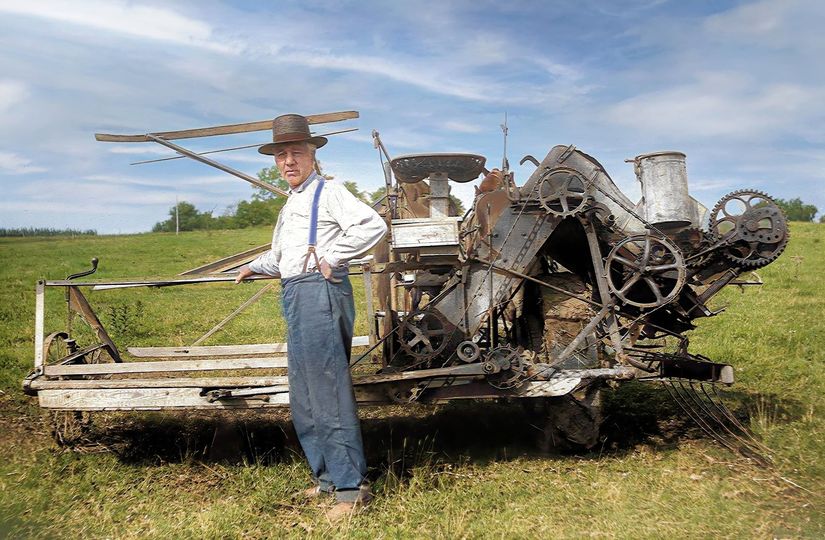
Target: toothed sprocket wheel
point(753, 227)
point(423, 334)
point(563, 196)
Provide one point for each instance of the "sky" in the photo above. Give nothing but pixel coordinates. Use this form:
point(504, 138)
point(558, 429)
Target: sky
point(737, 86)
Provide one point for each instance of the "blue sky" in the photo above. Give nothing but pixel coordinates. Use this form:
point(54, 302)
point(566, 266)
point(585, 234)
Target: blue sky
point(738, 86)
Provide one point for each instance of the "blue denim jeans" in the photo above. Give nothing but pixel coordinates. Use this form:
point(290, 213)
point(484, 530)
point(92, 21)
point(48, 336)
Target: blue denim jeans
point(320, 316)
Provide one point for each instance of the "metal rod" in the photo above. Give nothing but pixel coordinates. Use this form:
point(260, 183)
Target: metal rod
point(156, 283)
point(542, 283)
point(254, 298)
point(601, 283)
point(491, 307)
point(586, 331)
point(219, 166)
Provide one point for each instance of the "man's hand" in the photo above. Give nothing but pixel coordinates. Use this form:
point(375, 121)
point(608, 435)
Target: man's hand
point(326, 271)
point(244, 273)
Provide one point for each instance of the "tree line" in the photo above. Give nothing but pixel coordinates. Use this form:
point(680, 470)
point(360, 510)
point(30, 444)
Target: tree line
point(264, 206)
point(262, 209)
point(796, 210)
point(46, 231)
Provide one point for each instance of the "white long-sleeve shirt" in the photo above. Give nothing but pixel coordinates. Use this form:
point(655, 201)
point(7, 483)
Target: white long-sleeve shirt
point(347, 228)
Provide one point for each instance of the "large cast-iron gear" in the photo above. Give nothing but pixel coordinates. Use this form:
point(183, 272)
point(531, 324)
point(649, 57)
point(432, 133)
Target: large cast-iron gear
point(423, 334)
point(753, 227)
point(645, 271)
point(567, 198)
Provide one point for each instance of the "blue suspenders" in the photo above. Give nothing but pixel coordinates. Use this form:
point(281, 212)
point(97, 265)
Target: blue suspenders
point(313, 225)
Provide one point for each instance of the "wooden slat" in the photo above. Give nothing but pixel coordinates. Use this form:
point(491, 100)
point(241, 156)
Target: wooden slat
point(227, 262)
point(229, 129)
point(204, 351)
point(166, 365)
point(163, 382)
point(39, 314)
point(154, 399)
point(148, 399)
point(207, 350)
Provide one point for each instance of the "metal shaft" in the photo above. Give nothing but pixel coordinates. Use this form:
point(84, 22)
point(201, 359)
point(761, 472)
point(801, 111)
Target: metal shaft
point(197, 157)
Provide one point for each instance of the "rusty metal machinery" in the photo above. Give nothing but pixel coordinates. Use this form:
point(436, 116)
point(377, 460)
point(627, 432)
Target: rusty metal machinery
point(543, 290)
point(648, 271)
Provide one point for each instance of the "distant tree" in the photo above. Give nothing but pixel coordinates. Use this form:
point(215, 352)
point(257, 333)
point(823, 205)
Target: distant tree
point(42, 231)
point(188, 217)
point(796, 210)
point(378, 194)
point(262, 209)
point(270, 175)
point(258, 212)
point(352, 187)
point(822, 218)
point(459, 206)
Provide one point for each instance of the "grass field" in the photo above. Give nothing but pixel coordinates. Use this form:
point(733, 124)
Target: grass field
point(454, 471)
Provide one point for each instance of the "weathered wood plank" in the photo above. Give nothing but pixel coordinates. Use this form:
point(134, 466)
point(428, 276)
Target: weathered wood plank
point(228, 129)
point(164, 382)
point(166, 365)
point(233, 260)
point(148, 399)
point(221, 350)
point(79, 304)
point(155, 399)
point(39, 314)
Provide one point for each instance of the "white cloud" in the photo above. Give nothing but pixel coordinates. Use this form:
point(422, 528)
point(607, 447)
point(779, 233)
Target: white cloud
point(129, 18)
point(717, 104)
point(413, 73)
point(16, 164)
point(462, 127)
point(11, 93)
point(791, 24)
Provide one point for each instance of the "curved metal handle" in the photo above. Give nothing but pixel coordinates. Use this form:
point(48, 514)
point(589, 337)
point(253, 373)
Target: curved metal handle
point(87, 272)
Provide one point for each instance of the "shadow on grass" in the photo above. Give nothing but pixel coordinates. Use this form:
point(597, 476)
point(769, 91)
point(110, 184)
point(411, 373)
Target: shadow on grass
point(399, 439)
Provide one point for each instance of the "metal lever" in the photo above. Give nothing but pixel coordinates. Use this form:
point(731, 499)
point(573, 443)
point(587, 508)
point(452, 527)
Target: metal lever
point(87, 272)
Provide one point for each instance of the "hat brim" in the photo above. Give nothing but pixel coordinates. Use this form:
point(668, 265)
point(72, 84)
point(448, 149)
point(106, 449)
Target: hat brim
point(269, 149)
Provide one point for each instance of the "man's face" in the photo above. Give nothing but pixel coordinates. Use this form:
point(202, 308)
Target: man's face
point(295, 161)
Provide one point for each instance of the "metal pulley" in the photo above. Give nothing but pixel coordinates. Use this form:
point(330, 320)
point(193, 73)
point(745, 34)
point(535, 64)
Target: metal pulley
point(645, 271)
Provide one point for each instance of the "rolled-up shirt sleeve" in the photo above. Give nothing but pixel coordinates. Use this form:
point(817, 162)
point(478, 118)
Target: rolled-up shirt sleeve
point(361, 226)
point(267, 262)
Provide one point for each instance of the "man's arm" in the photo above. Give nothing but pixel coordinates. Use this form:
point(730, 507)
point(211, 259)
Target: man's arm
point(244, 273)
point(362, 227)
point(266, 263)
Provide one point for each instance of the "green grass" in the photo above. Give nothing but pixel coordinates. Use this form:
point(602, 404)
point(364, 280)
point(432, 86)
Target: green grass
point(446, 472)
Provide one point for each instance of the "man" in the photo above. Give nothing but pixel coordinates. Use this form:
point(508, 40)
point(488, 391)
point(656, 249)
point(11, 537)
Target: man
point(320, 228)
